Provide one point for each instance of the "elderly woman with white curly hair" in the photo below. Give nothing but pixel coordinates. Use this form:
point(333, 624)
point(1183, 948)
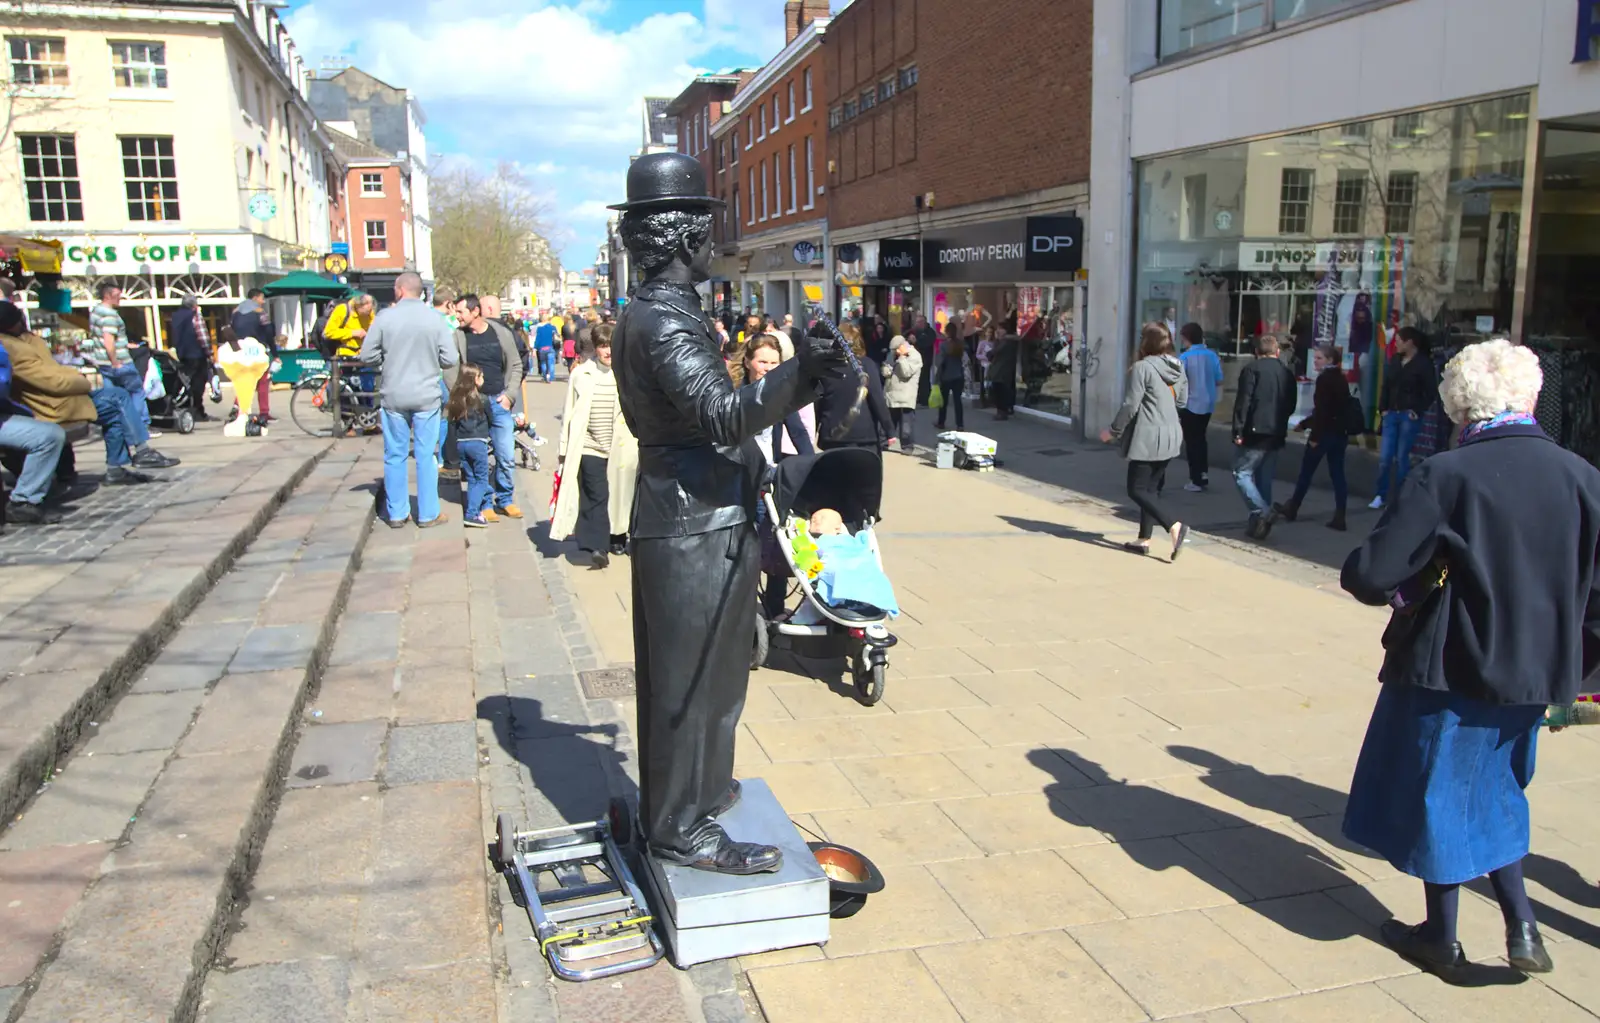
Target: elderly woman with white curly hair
point(1488, 556)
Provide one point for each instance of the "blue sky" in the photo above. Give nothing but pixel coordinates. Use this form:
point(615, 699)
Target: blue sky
point(554, 86)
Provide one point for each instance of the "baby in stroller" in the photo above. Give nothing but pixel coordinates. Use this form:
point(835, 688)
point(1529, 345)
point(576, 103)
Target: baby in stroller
point(812, 503)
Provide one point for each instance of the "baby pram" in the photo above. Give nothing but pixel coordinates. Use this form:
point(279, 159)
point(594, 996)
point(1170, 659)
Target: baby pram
point(850, 481)
point(175, 408)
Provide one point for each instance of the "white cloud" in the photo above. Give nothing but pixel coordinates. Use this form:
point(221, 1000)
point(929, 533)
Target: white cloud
point(539, 82)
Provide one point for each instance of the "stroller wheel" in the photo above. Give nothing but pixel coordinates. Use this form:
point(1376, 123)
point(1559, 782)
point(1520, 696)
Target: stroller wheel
point(184, 421)
point(763, 644)
point(869, 680)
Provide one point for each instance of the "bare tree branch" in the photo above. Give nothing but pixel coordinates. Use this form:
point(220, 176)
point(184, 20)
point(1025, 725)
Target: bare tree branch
point(481, 228)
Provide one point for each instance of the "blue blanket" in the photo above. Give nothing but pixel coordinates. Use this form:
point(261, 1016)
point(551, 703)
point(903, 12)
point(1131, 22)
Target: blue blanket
point(850, 572)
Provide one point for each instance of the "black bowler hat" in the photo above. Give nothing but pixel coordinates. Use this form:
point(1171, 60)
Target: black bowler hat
point(667, 180)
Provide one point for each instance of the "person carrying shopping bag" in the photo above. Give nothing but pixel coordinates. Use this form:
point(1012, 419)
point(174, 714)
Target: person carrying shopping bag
point(596, 504)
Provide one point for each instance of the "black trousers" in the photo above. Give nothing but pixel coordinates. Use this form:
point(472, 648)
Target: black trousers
point(905, 425)
point(197, 374)
point(694, 620)
point(1003, 395)
point(1144, 483)
point(593, 531)
point(1194, 444)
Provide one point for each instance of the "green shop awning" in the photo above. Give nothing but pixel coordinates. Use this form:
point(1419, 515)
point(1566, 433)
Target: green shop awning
point(304, 282)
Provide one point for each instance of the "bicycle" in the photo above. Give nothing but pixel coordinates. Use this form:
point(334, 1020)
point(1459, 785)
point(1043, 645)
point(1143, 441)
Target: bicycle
point(321, 410)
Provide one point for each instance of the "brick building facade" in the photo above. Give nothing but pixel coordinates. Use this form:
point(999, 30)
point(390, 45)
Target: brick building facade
point(958, 175)
point(769, 159)
point(376, 216)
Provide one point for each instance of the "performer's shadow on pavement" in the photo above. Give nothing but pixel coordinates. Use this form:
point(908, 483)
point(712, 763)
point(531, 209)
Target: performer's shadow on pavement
point(1236, 856)
point(572, 770)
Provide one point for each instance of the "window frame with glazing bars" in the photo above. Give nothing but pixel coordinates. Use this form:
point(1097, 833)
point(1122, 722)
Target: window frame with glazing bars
point(851, 110)
point(68, 188)
point(835, 118)
point(868, 98)
point(887, 89)
point(374, 193)
point(1350, 213)
point(382, 236)
point(58, 71)
point(907, 78)
point(1301, 205)
point(1392, 203)
point(124, 70)
point(146, 192)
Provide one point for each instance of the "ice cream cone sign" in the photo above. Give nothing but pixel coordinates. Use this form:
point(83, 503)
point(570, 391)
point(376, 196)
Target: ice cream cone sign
point(244, 365)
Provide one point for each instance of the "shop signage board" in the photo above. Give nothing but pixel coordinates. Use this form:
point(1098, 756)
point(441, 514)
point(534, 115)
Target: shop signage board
point(1006, 251)
point(172, 254)
point(898, 259)
point(1309, 257)
point(785, 258)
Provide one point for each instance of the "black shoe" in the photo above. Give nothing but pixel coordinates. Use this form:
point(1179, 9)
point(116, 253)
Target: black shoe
point(119, 476)
point(150, 458)
point(1337, 522)
point(599, 560)
point(1287, 512)
point(729, 801)
point(1524, 947)
point(722, 855)
point(1444, 960)
point(22, 513)
point(619, 546)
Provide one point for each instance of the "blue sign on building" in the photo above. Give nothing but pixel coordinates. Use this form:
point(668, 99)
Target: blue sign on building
point(1588, 44)
point(340, 248)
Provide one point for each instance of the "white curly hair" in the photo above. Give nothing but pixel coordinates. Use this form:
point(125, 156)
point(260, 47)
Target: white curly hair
point(1489, 378)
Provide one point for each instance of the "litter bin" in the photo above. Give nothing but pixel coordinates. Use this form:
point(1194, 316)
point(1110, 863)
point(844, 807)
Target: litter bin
point(294, 363)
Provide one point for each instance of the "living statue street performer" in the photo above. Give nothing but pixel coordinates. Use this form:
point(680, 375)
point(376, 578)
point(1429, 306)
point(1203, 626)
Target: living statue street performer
point(695, 554)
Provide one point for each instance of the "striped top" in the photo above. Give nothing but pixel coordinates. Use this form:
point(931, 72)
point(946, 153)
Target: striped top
point(602, 414)
point(105, 320)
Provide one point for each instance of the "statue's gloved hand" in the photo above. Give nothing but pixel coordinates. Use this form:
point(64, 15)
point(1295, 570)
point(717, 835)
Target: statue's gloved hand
point(820, 359)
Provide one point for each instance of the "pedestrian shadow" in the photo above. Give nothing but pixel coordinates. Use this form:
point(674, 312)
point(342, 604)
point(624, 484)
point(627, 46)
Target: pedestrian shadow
point(1062, 531)
point(812, 659)
point(546, 546)
point(1234, 855)
point(573, 770)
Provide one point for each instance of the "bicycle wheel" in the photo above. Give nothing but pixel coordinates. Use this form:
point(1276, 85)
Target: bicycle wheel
point(310, 407)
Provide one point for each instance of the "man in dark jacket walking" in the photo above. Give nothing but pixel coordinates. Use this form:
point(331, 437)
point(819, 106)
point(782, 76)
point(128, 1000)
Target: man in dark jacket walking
point(194, 359)
point(1261, 414)
point(927, 341)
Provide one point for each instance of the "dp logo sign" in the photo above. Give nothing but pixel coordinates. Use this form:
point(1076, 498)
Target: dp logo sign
point(1055, 245)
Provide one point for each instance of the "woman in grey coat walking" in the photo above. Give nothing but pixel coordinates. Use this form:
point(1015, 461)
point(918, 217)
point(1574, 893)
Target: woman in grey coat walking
point(1150, 433)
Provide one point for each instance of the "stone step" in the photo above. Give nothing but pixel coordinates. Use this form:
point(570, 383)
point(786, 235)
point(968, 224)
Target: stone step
point(150, 831)
point(78, 644)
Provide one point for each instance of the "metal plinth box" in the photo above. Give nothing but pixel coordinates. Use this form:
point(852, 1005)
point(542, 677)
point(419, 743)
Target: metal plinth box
point(706, 916)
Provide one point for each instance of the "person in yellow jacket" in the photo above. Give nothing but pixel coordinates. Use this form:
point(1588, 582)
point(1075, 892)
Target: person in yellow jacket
point(348, 324)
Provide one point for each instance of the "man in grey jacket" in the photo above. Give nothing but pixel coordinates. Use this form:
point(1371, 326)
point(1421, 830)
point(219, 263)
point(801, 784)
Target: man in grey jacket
point(412, 345)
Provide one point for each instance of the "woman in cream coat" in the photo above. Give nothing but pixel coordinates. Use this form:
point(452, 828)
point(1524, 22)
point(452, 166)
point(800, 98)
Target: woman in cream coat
point(599, 458)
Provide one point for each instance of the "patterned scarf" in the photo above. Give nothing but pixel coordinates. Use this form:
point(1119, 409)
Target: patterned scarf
point(1473, 430)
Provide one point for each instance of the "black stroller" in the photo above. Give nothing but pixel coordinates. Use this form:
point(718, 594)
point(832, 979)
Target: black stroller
point(850, 481)
point(176, 407)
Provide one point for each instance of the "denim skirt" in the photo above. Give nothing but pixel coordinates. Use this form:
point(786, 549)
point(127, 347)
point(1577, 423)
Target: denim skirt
point(1438, 788)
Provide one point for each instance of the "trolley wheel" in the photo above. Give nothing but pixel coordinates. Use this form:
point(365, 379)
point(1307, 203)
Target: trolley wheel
point(762, 645)
point(505, 841)
point(185, 421)
point(869, 680)
point(620, 816)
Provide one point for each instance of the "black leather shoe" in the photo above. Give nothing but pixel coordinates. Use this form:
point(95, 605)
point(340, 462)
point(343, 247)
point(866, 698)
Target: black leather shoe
point(599, 560)
point(1444, 960)
point(22, 513)
point(729, 801)
point(1525, 949)
point(722, 855)
point(118, 476)
point(150, 458)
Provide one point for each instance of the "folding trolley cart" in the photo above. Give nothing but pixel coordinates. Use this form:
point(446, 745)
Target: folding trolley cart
point(591, 921)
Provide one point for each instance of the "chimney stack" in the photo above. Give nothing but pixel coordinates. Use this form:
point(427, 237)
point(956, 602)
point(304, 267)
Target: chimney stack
point(797, 14)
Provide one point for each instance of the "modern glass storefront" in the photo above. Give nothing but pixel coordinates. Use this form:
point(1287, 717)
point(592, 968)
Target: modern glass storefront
point(1190, 25)
point(1341, 235)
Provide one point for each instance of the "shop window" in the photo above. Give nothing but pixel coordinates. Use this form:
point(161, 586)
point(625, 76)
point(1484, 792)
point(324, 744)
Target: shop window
point(1294, 201)
point(372, 183)
point(1187, 25)
point(139, 65)
point(376, 233)
point(1400, 202)
point(908, 77)
point(150, 175)
point(38, 61)
point(50, 177)
point(1350, 202)
point(1194, 206)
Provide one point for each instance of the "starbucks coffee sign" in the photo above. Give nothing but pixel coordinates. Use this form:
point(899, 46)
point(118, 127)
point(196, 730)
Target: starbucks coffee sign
point(112, 254)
